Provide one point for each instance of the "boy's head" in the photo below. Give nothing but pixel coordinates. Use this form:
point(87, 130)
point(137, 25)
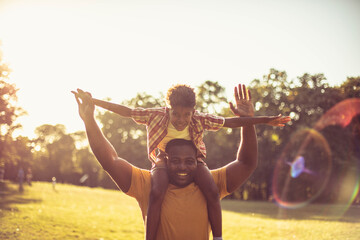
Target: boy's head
point(181, 100)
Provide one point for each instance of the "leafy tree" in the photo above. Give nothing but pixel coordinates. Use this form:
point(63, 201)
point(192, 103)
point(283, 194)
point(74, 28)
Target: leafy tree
point(18, 154)
point(306, 99)
point(351, 87)
point(88, 166)
point(9, 111)
point(210, 97)
point(55, 155)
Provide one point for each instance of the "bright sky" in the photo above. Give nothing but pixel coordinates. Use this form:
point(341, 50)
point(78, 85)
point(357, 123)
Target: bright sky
point(116, 48)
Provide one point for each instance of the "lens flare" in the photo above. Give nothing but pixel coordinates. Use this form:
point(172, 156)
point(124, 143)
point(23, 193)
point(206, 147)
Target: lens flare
point(295, 185)
point(298, 167)
point(341, 114)
point(303, 169)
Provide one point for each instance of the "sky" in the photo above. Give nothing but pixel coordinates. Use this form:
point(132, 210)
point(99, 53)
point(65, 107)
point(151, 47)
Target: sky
point(115, 49)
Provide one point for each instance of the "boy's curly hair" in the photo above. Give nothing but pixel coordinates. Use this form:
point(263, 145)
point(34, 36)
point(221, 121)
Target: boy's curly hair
point(181, 95)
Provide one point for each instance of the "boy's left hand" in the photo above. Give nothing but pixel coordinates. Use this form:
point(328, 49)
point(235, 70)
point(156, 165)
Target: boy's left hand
point(244, 106)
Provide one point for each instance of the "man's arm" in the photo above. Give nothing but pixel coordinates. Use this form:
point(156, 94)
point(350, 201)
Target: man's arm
point(246, 160)
point(119, 169)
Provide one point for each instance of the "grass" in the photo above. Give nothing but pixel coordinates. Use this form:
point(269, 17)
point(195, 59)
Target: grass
point(73, 212)
point(263, 220)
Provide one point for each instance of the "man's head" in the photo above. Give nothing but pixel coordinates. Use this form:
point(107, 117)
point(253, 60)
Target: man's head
point(182, 100)
point(181, 162)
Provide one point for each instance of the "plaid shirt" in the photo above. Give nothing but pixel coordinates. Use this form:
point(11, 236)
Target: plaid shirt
point(157, 121)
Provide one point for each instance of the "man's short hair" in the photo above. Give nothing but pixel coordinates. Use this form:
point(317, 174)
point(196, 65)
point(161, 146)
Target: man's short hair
point(181, 95)
point(179, 142)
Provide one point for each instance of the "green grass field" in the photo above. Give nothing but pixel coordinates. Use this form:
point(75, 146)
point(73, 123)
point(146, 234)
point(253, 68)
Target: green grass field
point(73, 212)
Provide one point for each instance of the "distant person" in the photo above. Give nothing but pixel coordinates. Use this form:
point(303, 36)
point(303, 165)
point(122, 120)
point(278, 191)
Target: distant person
point(21, 176)
point(53, 179)
point(184, 212)
point(181, 120)
point(29, 176)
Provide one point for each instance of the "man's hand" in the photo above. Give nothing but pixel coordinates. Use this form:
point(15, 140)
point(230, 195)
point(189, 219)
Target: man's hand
point(278, 121)
point(85, 103)
point(244, 106)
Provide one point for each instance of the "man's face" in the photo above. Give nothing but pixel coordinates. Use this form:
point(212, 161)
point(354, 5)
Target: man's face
point(180, 117)
point(181, 165)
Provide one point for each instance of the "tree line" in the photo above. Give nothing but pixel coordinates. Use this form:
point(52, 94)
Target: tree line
point(334, 147)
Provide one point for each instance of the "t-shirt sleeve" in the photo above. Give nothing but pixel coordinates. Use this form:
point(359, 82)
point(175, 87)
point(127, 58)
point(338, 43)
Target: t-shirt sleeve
point(219, 176)
point(140, 183)
point(211, 122)
point(141, 115)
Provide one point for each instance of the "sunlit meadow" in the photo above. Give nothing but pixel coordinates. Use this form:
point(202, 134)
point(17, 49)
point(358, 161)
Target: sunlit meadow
point(73, 212)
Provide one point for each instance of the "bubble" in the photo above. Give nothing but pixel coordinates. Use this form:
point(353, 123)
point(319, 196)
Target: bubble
point(303, 170)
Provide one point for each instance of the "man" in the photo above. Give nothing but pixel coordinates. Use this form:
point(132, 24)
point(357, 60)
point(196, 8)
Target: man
point(184, 210)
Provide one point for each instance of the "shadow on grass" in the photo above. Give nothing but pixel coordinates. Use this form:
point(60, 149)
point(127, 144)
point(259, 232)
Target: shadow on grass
point(10, 196)
point(320, 212)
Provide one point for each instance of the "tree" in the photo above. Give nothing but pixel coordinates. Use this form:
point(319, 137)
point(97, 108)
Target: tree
point(85, 161)
point(18, 154)
point(55, 155)
point(88, 165)
point(9, 111)
point(351, 87)
point(210, 97)
point(306, 99)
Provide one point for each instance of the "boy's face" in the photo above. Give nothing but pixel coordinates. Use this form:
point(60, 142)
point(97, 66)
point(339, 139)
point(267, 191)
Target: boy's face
point(180, 117)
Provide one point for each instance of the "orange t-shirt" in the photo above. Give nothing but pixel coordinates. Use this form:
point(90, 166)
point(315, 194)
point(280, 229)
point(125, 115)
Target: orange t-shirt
point(184, 210)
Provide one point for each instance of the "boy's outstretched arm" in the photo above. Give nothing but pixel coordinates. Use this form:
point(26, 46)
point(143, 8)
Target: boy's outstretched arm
point(113, 107)
point(276, 121)
point(245, 112)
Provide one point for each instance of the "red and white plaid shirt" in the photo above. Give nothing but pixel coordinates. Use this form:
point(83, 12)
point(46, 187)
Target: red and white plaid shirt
point(157, 121)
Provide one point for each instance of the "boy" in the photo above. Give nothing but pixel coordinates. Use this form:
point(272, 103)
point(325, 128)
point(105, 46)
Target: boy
point(181, 120)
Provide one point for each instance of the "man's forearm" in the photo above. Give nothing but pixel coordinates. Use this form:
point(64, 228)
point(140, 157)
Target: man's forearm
point(116, 108)
point(100, 146)
point(235, 122)
point(248, 149)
